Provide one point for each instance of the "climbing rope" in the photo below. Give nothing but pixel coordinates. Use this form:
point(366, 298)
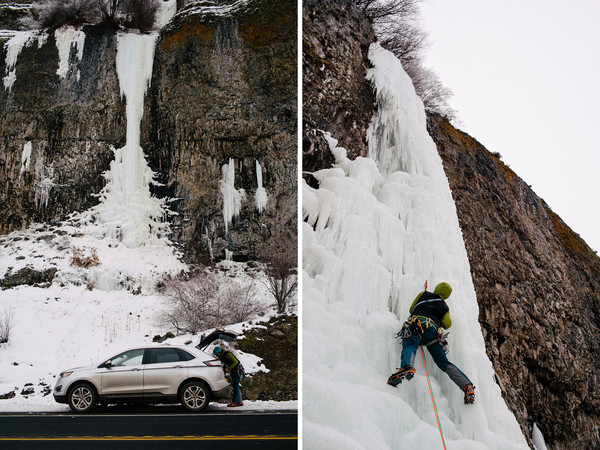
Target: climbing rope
point(433, 399)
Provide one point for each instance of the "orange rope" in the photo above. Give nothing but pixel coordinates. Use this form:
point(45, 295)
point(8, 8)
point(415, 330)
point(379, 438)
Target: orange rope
point(432, 399)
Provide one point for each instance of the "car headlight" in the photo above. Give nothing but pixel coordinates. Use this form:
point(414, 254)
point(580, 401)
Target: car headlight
point(65, 374)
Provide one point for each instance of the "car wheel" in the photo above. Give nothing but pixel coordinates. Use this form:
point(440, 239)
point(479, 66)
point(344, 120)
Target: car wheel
point(194, 396)
point(82, 398)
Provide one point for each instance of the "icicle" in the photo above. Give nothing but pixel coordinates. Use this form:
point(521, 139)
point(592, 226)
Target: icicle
point(25, 158)
point(261, 194)
point(228, 255)
point(232, 197)
point(13, 49)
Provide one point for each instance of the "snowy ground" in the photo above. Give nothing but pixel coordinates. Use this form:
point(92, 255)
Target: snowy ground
point(73, 323)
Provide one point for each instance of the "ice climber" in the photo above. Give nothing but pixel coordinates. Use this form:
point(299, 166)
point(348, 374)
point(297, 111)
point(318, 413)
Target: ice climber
point(429, 313)
point(235, 369)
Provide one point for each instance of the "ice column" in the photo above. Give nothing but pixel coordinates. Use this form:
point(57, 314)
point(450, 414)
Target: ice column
point(127, 206)
point(261, 194)
point(232, 197)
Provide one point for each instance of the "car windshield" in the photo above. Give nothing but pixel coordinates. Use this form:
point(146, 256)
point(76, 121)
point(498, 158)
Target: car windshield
point(128, 358)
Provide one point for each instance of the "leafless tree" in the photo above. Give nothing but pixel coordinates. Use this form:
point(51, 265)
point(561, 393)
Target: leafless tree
point(6, 325)
point(281, 258)
point(385, 10)
point(396, 25)
point(240, 302)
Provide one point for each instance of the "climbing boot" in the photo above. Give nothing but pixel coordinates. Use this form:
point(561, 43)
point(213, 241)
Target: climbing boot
point(469, 391)
point(407, 372)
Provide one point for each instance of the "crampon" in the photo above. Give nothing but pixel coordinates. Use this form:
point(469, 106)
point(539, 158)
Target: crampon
point(407, 372)
point(469, 391)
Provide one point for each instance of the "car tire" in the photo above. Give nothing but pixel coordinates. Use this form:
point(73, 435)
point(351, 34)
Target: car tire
point(194, 396)
point(82, 398)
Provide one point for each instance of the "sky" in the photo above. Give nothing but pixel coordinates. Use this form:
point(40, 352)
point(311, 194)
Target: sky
point(525, 77)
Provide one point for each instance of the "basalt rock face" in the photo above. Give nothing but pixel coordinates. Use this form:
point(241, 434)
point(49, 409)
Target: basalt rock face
point(538, 287)
point(336, 36)
point(224, 91)
point(56, 132)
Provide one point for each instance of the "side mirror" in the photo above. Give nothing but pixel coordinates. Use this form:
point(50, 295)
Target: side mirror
point(107, 364)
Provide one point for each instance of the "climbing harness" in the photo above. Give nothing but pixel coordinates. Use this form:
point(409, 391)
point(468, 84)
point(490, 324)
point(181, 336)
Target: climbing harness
point(433, 399)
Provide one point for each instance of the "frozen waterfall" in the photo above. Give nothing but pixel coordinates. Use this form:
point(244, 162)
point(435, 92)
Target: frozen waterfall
point(127, 208)
point(374, 231)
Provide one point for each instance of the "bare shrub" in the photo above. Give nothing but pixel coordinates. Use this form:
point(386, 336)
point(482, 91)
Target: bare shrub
point(139, 14)
point(279, 253)
point(6, 325)
point(240, 302)
point(84, 261)
point(56, 13)
point(193, 302)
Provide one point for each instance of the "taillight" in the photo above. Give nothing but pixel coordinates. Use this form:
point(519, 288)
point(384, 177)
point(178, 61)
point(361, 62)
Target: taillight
point(213, 363)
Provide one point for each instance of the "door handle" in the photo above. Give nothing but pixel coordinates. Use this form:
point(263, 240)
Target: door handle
point(135, 369)
point(177, 367)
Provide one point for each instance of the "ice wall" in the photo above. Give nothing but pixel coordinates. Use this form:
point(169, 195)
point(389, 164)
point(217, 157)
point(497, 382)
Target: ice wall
point(374, 231)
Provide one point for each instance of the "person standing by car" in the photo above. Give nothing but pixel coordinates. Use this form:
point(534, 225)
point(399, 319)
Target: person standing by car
point(233, 365)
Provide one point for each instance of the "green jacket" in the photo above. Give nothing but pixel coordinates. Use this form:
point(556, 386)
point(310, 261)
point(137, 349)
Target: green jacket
point(229, 360)
point(443, 290)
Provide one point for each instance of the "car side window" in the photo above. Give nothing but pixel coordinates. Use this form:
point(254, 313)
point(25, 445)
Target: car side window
point(128, 358)
point(166, 355)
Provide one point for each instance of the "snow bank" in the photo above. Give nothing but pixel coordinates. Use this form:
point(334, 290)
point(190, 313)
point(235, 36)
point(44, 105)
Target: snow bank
point(375, 230)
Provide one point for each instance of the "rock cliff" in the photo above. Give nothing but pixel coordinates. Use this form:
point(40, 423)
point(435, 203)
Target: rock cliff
point(335, 97)
point(224, 92)
point(538, 286)
point(219, 125)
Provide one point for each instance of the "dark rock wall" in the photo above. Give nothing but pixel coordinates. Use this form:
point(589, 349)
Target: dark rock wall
point(336, 36)
point(71, 125)
point(538, 287)
point(222, 87)
point(226, 87)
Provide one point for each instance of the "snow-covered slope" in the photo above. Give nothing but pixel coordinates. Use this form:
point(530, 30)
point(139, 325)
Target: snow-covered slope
point(375, 231)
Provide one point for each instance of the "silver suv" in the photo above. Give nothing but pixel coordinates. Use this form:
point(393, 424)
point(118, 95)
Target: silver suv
point(152, 374)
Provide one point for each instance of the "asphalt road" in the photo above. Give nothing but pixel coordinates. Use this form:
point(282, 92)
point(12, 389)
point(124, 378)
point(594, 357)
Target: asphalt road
point(138, 429)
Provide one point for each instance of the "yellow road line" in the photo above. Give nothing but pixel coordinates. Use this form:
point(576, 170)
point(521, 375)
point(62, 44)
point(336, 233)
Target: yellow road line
point(150, 438)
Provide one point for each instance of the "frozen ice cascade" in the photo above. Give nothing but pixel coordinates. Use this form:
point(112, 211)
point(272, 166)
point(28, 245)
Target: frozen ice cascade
point(13, 49)
point(127, 213)
point(232, 197)
point(66, 38)
point(260, 197)
point(374, 231)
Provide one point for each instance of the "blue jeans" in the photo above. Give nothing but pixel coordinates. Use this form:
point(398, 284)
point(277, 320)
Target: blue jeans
point(235, 384)
point(411, 344)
